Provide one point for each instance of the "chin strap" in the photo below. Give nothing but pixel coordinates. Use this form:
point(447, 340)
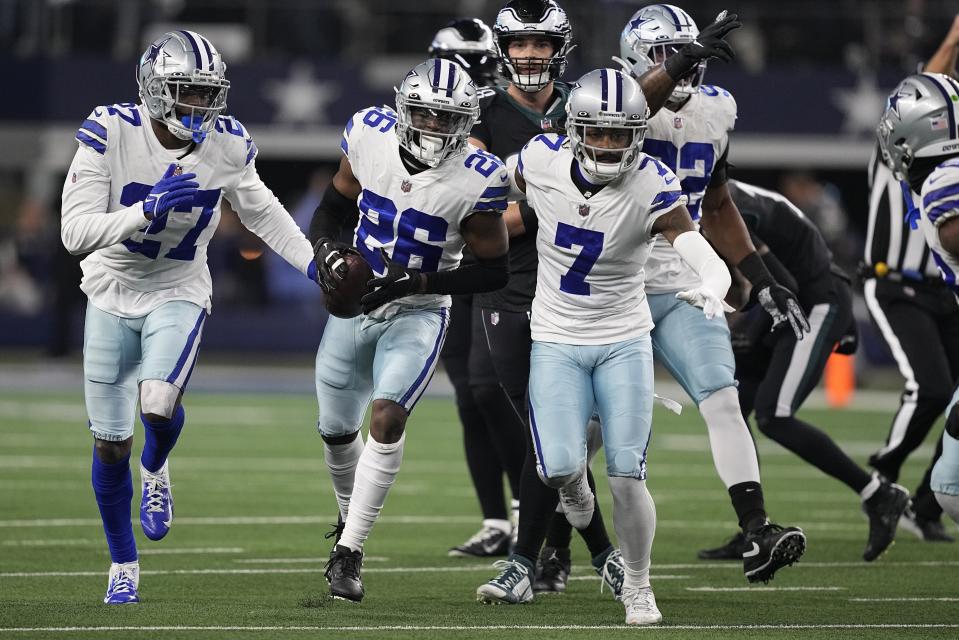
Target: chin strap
point(912, 213)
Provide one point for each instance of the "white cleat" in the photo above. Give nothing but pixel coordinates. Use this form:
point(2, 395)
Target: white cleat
point(578, 502)
point(123, 583)
point(641, 606)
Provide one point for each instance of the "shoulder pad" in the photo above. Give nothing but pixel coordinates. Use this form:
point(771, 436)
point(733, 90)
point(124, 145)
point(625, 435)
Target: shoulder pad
point(721, 102)
point(940, 192)
point(234, 134)
point(95, 131)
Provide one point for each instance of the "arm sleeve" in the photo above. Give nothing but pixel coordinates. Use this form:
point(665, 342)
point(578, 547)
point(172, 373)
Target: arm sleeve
point(85, 223)
point(261, 212)
point(479, 277)
point(696, 252)
point(335, 213)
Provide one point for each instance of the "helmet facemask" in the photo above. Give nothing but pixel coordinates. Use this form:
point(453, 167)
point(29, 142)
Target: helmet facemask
point(604, 163)
point(529, 73)
point(190, 105)
point(431, 132)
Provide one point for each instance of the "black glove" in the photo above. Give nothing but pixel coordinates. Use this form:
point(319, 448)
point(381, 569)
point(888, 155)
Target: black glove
point(709, 44)
point(781, 305)
point(398, 282)
point(849, 341)
point(331, 265)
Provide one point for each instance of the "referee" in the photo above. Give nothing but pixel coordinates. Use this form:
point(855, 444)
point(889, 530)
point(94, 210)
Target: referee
point(918, 317)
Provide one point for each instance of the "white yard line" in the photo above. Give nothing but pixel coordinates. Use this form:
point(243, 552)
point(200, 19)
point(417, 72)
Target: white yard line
point(723, 589)
point(929, 599)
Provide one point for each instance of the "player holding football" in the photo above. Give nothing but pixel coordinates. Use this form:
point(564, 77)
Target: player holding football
point(143, 195)
point(422, 194)
point(919, 140)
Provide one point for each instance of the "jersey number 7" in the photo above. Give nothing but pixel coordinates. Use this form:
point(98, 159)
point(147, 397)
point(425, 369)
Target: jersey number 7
point(574, 282)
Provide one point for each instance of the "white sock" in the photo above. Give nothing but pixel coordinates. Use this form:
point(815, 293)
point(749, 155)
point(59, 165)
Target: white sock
point(375, 473)
point(341, 460)
point(870, 489)
point(502, 525)
point(634, 518)
point(734, 452)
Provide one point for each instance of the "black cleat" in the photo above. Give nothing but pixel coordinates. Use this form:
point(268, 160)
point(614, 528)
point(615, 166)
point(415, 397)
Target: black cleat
point(770, 549)
point(883, 509)
point(552, 570)
point(926, 529)
point(343, 574)
point(486, 543)
point(732, 550)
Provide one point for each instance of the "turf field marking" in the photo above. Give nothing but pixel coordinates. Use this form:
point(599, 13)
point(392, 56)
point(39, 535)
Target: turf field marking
point(568, 627)
point(172, 551)
point(661, 577)
point(819, 565)
point(301, 560)
point(719, 589)
point(930, 599)
point(285, 570)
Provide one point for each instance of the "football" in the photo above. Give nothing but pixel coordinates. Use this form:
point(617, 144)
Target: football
point(344, 301)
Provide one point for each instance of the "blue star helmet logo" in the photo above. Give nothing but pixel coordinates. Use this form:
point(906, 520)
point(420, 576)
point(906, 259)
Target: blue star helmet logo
point(638, 22)
point(155, 50)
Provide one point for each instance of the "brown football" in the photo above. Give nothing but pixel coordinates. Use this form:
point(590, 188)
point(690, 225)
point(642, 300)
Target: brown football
point(344, 301)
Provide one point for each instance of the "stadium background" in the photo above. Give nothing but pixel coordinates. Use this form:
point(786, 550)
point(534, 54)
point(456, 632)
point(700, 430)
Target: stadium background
point(810, 80)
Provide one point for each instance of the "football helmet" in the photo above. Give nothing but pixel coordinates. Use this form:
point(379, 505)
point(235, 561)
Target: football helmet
point(920, 121)
point(653, 34)
point(469, 42)
point(436, 107)
point(537, 18)
point(606, 99)
point(183, 83)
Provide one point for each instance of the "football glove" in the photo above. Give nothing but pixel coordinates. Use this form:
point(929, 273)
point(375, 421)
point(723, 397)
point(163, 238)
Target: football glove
point(709, 44)
point(173, 190)
point(706, 300)
point(781, 305)
point(331, 267)
point(398, 282)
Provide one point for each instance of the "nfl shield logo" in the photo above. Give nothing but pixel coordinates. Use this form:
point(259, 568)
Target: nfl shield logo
point(406, 186)
point(494, 318)
point(583, 210)
point(678, 122)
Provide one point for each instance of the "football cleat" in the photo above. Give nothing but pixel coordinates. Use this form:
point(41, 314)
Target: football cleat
point(732, 550)
point(511, 586)
point(770, 549)
point(343, 574)
point(123, 583)
point(884, 509)
point(487, 542)
point(552, 570)
point(926, 529)
point(156, 505)
point(578, 502)
point(614, 574)
point(641, 606)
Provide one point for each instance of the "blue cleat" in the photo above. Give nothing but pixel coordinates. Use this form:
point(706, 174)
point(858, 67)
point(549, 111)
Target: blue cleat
point(156, 506)
point(124, 580)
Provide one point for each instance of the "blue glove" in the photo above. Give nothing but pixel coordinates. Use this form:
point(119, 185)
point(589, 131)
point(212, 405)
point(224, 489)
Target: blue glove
point(170, 192)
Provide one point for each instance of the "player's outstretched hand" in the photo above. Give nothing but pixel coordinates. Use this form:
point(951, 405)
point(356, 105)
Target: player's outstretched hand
point(173, 190)
point(711, 43)
point(706, 300)
point(331, 267)
point(398, 282)
point(781, 305)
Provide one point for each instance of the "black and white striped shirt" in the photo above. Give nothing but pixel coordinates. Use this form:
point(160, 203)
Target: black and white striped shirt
point(889, 238)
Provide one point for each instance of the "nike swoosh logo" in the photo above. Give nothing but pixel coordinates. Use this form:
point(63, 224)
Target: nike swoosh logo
point(166, 523)
point(503, 178)
point(405, 277)
point(752, 552)
point(671, 180)
point(96, 112)
point(936, 179)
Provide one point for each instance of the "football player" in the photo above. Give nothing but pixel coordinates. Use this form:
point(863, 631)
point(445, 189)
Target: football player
point(492, 442)
point(599, 202)
point(691, 137)
point(534, 38)
point(919, 140)
point(776, 373)
point(143, 196)
point(422, 193)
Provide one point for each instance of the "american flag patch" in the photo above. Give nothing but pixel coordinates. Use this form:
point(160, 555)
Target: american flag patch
point(938, 124)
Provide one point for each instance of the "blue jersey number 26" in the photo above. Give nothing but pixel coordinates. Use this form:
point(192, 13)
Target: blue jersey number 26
point(574, 282)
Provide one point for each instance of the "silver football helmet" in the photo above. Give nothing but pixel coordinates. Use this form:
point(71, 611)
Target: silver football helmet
point(610, 100)
point(436, 107)
point(183, 83)
point(653, 34)
point(533, 18)
point(469, 42)
point(920, 121)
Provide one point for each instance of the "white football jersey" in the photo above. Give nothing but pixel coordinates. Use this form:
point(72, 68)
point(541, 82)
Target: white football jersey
point(690, 142)
point(589, 286)
point(940, 202)
point(416, 219)
point(136, 265)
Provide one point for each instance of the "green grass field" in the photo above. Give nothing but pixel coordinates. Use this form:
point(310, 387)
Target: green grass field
point(246, 553)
